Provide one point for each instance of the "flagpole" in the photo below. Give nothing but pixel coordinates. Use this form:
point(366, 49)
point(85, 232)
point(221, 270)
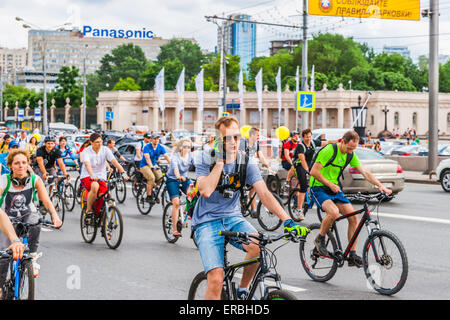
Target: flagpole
point(296, 99)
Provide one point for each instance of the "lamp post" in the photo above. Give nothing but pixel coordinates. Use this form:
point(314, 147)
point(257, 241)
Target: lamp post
point(385, 110)
point(359, 117)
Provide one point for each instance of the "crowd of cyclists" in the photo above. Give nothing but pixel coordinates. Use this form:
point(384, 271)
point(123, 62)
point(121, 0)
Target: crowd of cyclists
point(227, 163)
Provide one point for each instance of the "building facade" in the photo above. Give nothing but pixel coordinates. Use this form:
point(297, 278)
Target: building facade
point(401, 50)
point(333, 110)
point(69, 47)
point(277, 45)
point(32, 79)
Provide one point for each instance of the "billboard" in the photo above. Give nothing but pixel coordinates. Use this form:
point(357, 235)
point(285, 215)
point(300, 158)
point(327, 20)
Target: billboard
point(378, 9)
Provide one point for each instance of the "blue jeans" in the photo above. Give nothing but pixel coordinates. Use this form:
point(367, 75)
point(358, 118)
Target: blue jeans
point(211, 245)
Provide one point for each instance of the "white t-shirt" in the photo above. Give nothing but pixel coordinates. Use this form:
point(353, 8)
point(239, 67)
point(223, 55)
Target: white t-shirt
point(97, 161)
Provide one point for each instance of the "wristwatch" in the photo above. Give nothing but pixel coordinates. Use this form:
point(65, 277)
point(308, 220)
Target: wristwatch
point(17, 240)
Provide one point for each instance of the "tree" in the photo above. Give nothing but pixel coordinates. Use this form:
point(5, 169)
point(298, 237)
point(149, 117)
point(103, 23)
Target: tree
point(127, 84)
point(68, 86)
point(212, 72)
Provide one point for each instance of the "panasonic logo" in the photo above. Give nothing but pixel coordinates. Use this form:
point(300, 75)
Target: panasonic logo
point(120, 33)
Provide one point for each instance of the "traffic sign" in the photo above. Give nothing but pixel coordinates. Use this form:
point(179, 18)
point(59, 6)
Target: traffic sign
point(109, 116)
point(225, 114)
point(306, 101)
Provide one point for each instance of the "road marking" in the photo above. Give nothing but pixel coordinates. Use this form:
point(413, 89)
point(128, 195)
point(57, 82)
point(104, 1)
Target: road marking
point(413, 218)
point(272, 283)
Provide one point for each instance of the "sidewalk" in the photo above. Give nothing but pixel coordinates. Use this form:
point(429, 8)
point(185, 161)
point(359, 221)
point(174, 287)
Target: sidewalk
point(418, 177)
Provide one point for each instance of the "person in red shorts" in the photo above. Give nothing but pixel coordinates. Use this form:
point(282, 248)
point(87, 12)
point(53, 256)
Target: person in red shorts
point(93, 172)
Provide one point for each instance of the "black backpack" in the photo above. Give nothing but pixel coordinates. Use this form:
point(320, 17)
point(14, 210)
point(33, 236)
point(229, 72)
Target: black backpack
point(333, 157)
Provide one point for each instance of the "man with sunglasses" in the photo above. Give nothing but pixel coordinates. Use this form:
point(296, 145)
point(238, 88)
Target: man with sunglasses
point(218, 206)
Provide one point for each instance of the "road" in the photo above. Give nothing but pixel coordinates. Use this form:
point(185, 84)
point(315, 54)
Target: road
point(145, 266)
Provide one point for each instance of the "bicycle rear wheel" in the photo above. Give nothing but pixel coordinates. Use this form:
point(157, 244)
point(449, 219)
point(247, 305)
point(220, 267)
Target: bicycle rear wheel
point(135, 183)
point(318, 268)
point(58, 203)
point(198, 286)
point(143, 205)
point(26, 281)
point(121, 190)
point(69, 197)
point(88, 227)
point(168, 224)
point(112, 227)
point(385, 262)
point(78, 190)
point(268, 220)
point(292, 205)
point(281, 295)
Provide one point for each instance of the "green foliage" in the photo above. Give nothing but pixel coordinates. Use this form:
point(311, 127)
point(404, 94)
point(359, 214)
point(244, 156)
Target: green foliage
point(127, 84)
point(68, 87)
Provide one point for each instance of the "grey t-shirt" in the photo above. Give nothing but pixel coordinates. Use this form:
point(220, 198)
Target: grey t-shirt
point(182, 165)
point(216, 206)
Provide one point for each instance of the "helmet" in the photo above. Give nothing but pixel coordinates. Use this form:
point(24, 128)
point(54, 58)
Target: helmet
point(49, 138)
point(293, 133)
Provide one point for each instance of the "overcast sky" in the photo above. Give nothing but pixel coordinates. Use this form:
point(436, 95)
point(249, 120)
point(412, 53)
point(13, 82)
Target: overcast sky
point(182, 18)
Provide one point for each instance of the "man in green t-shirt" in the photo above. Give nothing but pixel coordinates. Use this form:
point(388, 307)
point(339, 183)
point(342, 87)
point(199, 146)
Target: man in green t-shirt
point(325, 187)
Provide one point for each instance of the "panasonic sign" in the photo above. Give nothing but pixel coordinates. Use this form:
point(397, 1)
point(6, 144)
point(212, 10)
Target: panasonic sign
point(119, 33)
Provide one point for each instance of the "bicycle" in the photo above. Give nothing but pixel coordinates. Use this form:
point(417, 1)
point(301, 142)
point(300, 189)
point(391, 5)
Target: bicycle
point(384, 259)
point(184, 217)
point(19, 284)
point(144, 206)
point(67, 191)
point(307, 204)
point(118, 184)
point(266, 270)
point(109, 219)
point(56, 197)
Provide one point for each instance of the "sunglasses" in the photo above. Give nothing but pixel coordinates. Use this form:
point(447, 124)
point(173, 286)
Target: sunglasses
point(234, 137)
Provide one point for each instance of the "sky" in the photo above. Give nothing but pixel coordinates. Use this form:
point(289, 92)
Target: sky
point(181, 18)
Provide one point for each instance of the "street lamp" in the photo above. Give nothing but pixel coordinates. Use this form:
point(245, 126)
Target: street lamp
point(385, 110)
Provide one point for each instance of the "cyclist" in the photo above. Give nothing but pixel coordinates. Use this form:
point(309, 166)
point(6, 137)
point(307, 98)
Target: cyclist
point(288, 153)
point(218, 206)
point(93, 172)
point(111, 144)
point(23, 139)
point(151, 154)
point(303, 156)
point(324, 185)
point(140, 148)
point(66, 151)
point(18, 193)
point(182, 160)
point(46, 157)
point(252, 148)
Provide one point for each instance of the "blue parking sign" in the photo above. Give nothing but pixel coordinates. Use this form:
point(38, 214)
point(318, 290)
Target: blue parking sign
point(109, 116)
point(306, 101)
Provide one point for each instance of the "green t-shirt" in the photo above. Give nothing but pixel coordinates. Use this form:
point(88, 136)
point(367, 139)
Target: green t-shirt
point(331, 173)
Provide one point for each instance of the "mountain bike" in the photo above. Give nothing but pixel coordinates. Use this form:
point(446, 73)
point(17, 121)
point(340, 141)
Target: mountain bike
point(56, 197)
point(19, 284)
point(109, 219)
point(118, 184)
point(159, 193)
point(384, 258)
point(266, 270)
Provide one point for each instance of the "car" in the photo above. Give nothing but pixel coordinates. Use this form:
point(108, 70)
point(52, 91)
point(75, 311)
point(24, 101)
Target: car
point(443, 174)
point(329, 133)
point(129, 138)
point(67, 160)
point(387, 171)
point(77, 139)
point(411, 150)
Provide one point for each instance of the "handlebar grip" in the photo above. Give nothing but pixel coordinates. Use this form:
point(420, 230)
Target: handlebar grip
point(229, 234)
point(6, 254)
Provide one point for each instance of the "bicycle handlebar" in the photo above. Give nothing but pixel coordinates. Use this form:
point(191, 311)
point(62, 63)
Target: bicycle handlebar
point(262, 238)
point(366, 198)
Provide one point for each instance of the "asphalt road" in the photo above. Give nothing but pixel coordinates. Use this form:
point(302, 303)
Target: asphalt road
point(146, 266)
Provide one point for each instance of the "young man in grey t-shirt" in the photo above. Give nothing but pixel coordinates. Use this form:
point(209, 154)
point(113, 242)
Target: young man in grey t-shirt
point(216, 211)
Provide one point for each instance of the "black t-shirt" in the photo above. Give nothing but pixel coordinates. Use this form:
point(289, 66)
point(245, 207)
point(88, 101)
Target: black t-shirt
point(49, 158)
point(307, 151)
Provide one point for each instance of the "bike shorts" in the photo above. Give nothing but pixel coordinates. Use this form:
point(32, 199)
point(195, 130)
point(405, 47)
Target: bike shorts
point(173, 187)
point(302, 179)
point(286, 165)
point(211, 245)
point(103, 188)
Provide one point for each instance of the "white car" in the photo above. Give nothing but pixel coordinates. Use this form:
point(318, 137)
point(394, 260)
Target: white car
point(78, 139)
point(443, 174)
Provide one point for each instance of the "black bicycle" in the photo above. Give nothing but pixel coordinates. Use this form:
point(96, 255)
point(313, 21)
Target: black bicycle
point(384, 258)
point(109, 220)
point(159, 193)
point(56, 197)
point(118, 184)
point(266, 270)
point(19, 284)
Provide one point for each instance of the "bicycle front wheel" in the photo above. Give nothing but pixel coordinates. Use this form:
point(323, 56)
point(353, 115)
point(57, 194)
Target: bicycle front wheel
point(69, 197)
point(198, 286)
point(58, 203)
point(268, 220)
point(78, 190)
point(168, 224)
point(26, 281)
point(318, 268)
point(121, 190)
point(281, 295)
point(112, 227)
point(144, 206)
point(88, 227)
point(385, 262)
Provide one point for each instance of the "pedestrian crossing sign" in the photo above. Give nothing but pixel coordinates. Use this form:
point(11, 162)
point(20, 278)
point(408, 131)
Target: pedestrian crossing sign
point(306, 101)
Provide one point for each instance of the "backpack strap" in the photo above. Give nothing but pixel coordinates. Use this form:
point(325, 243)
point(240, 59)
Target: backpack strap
point(33, 188)
point(5, 192)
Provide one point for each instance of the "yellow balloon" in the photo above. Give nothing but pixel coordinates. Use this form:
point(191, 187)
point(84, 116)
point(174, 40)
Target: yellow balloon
point(245, 130)
point(282, 133)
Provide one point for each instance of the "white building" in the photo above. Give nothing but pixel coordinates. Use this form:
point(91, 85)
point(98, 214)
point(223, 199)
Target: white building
point(401, 50)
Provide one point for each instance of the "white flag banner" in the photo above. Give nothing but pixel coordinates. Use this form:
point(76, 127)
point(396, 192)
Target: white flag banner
point(297, 78)
point(199, 88)
point(278, 81)
point(259, 88)
point(312, 79)
point(180, 91)
point(159, 85)
point(241, 89)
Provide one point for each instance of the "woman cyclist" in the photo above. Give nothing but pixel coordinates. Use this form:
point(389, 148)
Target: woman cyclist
point(17, 200)
point(66, 151)
point(182, 159)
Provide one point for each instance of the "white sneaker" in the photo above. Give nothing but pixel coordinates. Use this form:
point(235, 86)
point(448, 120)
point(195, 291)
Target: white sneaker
point(36, 266)
point(300, 215)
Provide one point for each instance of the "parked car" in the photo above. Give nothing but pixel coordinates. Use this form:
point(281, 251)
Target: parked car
point(411, 150)
point(443, 174)
point(128, 151)
point(129, 138)
point(77, 139)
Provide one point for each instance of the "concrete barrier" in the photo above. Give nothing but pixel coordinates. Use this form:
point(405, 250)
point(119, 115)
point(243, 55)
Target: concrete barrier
point(413, 163)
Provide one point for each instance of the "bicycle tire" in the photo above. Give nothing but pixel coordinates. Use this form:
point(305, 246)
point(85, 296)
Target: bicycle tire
point(108, 225)
point(77, 187)
point(59, 205)
point(268, 220)
point(26, 276)
point(292, 205)
point(200, 281)
point(373, 274)
point(164, 197)
point(281, 295)
point(88, 237)
point(135, 184)
point(121, 188)
point(69, 196)
point(141, 202)
point(167, 223)
point(311, 252)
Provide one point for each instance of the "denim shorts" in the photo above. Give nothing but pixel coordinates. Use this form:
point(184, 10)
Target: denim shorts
point(321, 196)
point(211, 244)
point(173, 187)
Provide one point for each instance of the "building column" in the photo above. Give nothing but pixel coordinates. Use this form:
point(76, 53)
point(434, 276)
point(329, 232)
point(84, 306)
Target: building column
point(286, 118)
point(242, 116)
point(155, 126)
point(265, 121)
point(324, 117)
point(67, 112)
point(340, 117)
